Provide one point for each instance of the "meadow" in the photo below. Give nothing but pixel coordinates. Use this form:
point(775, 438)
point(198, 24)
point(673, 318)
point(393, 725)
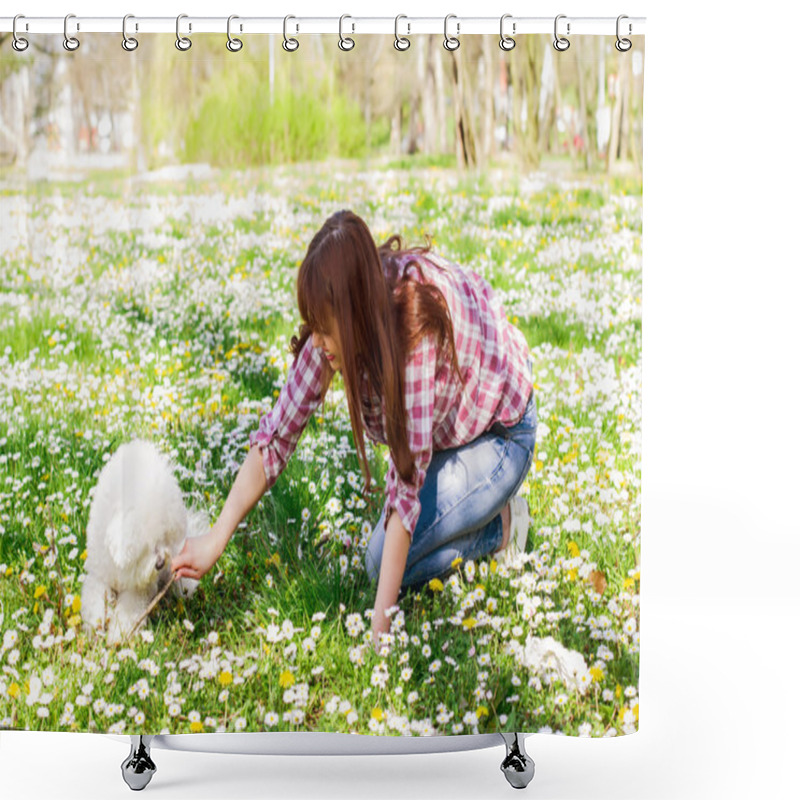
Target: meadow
point(164, 309)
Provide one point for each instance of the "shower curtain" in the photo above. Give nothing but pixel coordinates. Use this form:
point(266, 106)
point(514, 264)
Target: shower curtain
point(155, 208)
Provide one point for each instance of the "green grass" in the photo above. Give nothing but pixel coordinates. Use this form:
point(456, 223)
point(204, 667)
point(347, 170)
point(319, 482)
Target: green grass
point(193, 371)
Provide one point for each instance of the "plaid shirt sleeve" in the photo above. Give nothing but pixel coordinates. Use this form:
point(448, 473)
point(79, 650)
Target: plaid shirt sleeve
point(401, 495)
point(279, 429)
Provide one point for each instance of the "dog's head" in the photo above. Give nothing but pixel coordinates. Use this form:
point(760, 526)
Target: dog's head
point(142, 544)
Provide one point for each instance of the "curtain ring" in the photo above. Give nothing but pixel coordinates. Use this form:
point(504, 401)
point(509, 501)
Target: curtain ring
point(559, 42)
point(70, 42)
point(506, 42)
point(623, 45)
point(183, 43)
point(451, 43)
point(234, 45)
point(345, 42)
point(289, 45)
point(18, 43)
point(400, 42)
point(129, 43)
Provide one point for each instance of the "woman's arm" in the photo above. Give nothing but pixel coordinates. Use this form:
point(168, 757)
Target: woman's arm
point(393, 565)
point(200, 553)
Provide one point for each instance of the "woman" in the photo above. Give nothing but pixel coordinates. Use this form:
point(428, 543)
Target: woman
point(431, 367)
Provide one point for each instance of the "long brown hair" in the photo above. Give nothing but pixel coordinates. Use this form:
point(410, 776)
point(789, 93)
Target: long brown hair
point(381, 319)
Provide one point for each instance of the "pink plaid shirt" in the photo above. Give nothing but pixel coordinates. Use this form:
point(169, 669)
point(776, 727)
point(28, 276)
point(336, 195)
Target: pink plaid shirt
point(441, 414)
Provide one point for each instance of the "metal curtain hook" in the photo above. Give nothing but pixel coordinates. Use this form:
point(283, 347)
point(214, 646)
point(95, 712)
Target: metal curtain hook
point(289, 45)
point(183, 43)
point(233, 45)
point(18, 43)
point(70, 42)
point(345, 42)
point(623, 45)
point(506, 42)
point(400, 42)
point(451, 42)
point(128, 42)
point(559, 42)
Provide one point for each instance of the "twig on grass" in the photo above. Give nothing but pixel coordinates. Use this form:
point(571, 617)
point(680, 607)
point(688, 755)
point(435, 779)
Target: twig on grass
point(153, 604)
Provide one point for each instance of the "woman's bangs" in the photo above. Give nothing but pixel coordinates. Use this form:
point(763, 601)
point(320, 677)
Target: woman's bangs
point(312, 298)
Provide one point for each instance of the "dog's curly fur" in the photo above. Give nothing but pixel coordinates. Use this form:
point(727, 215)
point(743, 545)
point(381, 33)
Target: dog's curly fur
point(137, 523)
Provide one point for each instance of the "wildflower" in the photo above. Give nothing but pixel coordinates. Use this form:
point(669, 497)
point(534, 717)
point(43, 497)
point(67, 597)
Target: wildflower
point(436, 585)
point(286, 679)
point(455, 562)
point(573, 548)
point(225, 678)
point(354, 624)
point(271, 719)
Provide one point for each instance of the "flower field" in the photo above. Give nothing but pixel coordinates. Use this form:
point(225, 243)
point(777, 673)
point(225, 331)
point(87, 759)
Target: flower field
point(163, 309)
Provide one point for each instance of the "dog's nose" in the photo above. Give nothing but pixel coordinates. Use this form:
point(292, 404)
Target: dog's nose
point(160, 562)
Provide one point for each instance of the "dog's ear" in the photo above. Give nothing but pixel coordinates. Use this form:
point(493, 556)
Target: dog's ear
point(118, 546)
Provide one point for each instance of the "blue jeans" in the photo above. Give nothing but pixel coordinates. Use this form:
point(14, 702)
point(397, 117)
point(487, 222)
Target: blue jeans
point(464, 491)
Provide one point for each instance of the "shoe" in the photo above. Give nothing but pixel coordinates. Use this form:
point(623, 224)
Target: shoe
point(518, 530)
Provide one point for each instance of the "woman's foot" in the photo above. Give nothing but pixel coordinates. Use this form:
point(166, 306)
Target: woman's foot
point(516, 521)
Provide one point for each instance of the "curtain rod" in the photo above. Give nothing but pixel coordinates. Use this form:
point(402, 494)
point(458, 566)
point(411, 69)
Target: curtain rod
point(406, 26)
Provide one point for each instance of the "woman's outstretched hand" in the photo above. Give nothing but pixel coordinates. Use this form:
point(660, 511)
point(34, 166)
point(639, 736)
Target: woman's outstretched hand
point(198, 555)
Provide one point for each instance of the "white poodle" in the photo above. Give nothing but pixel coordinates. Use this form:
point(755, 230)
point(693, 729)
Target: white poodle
point(137, 523)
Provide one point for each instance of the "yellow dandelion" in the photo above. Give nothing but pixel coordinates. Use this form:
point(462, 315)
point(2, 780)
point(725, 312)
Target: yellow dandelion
point(13, 690)
point(196, 727)
point(436, 585)
point(456, 561)
point(635, 710)
point(225, 678)
point(83, 555)
point(596, 673)
point(74, 621)
point(469, 623)
point(377, 714)
point(76, 604)
point(482, 711)
point(618, 692)
point(286, 679)
point(40, 590)
point(493, 566)
point(573, 548)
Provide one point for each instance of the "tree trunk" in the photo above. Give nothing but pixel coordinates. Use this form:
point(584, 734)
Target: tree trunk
point(488, 101)
point(525, 86)
point(616, 115)
point(431, 119)
point(466, 153)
